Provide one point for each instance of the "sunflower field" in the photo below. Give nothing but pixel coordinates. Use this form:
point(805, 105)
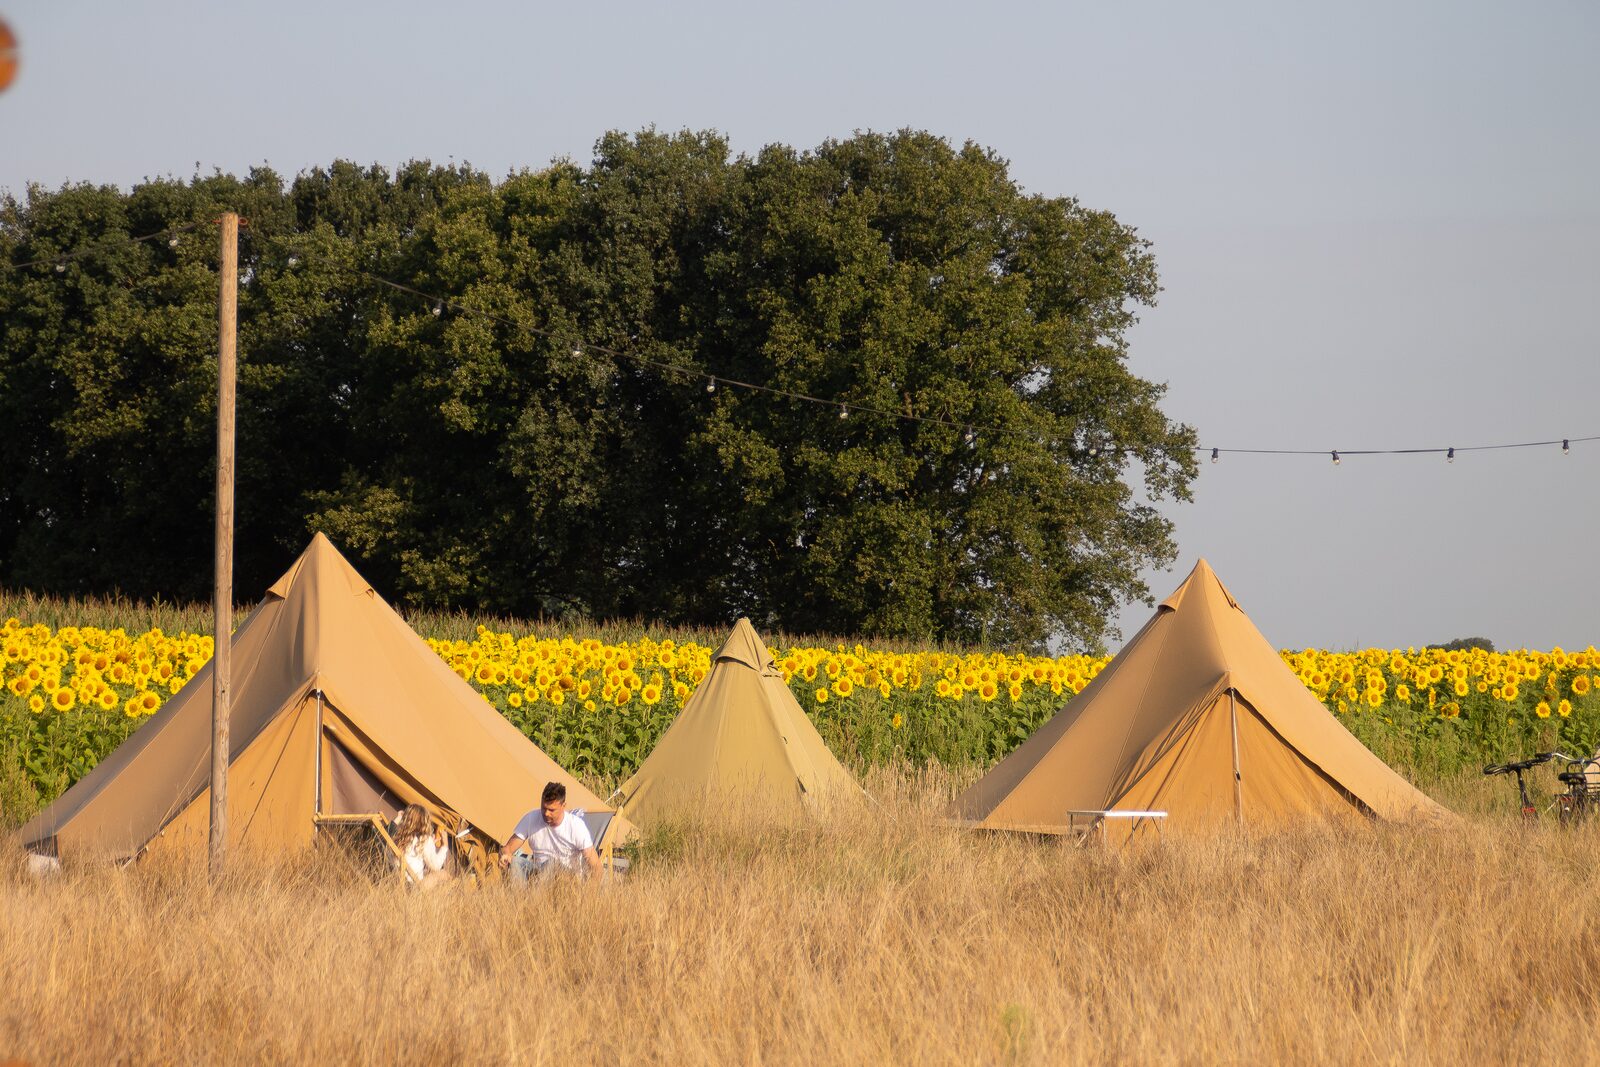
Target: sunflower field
point(68, 696)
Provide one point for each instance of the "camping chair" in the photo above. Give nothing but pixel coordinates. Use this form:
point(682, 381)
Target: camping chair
point(599, 822)
point(369, 838)
point(365, 839)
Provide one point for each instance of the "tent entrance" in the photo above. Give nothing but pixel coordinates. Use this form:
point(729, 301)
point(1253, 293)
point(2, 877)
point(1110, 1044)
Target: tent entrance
point(355, 776)
point(1232, 768)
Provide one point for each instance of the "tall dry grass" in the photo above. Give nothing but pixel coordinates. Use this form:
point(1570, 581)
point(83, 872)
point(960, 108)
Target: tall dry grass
point(868, 937)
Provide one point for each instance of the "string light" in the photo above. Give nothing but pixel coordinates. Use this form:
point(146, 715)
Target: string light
point(60, 260)
point(968, 432)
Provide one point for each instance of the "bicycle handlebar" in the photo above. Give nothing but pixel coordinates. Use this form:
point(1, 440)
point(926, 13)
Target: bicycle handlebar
point(1519, 765)
point(1541, 757)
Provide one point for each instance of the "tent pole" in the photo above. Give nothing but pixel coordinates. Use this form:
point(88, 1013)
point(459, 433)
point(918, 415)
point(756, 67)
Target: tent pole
point(1238, 779)
point(317, 811)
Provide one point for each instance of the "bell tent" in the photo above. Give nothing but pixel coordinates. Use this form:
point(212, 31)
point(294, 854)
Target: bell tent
point(741, 733)
point(338, 709)
point(1199, 717)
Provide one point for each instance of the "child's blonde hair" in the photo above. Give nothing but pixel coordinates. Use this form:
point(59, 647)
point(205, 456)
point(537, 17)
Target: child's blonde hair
point(412, 823)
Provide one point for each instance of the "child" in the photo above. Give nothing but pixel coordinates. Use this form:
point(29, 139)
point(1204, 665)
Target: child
point(426, 853)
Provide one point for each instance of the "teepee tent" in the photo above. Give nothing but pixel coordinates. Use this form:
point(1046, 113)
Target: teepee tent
point(741, 733)
point(1197, 716)
point(338, 708)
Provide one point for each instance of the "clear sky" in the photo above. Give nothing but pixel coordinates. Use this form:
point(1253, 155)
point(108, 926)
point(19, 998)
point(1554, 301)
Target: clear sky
point(1376, 223)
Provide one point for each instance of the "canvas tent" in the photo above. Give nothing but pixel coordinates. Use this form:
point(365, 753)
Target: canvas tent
point(338, 708)
point(741, 733)
point(1197, 716)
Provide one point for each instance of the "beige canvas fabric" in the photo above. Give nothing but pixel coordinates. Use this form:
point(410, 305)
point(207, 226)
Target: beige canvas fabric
point(1156, 730)
point(741, 734)
point(327, 678)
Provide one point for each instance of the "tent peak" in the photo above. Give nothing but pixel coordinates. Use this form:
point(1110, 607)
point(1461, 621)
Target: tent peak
point(1202, 581)
point(746, 646)
point(319, 562)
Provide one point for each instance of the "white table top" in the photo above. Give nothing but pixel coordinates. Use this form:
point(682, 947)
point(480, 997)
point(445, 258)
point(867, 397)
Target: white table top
point(1120, 814)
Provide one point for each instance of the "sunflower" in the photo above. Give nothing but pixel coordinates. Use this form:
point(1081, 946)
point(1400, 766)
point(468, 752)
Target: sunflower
point(650, 694)
point(822, 695)
point(1564, 708)
point(62, 700)
point(897, 722)
point(1543, 710)
point(1580, 685)
point(36, 703)
point(987, 691)
point(843, 686)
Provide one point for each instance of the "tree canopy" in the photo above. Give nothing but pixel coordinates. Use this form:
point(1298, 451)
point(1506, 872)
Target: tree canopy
point(542, 439)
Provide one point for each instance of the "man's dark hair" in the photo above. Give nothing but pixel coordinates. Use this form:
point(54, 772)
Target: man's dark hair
point(553, 791)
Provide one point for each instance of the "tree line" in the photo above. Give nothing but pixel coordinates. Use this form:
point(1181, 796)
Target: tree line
point(524, 445)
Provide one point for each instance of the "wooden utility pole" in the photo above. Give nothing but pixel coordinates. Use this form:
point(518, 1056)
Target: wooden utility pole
point(222, 604)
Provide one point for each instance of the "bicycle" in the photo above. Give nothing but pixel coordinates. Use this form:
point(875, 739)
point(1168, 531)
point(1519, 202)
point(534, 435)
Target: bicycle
point(1581, 797)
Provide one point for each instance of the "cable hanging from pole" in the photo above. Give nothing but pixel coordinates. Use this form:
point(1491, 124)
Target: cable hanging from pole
point(59, 262)
point(437, 306)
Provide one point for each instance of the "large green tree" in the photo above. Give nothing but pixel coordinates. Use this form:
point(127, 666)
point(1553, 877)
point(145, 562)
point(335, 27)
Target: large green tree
point(535, 435)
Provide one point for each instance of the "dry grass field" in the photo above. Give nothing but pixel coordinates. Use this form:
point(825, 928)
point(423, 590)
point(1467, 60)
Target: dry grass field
point(875, 937)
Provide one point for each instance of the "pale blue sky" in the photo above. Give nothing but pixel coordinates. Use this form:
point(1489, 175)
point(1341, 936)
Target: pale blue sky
point(1376, 223)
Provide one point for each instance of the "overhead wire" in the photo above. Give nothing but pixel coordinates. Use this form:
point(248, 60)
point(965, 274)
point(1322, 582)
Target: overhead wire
point(437, 305)
point(60, 260)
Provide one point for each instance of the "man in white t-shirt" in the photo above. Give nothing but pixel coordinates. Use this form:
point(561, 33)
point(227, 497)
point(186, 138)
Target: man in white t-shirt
point(558, 842)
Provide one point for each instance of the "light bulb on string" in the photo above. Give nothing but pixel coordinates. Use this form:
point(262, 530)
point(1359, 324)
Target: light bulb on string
point(970, 436)
point(1450, 454)
point(1336, 457)
point(438, 308)
point(1566, 447)
point(577, 351)
point(844, 412)
point(711, 385)
point(172, 242)
point(1214, 453)
point(61, 268)
point(292, 262)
